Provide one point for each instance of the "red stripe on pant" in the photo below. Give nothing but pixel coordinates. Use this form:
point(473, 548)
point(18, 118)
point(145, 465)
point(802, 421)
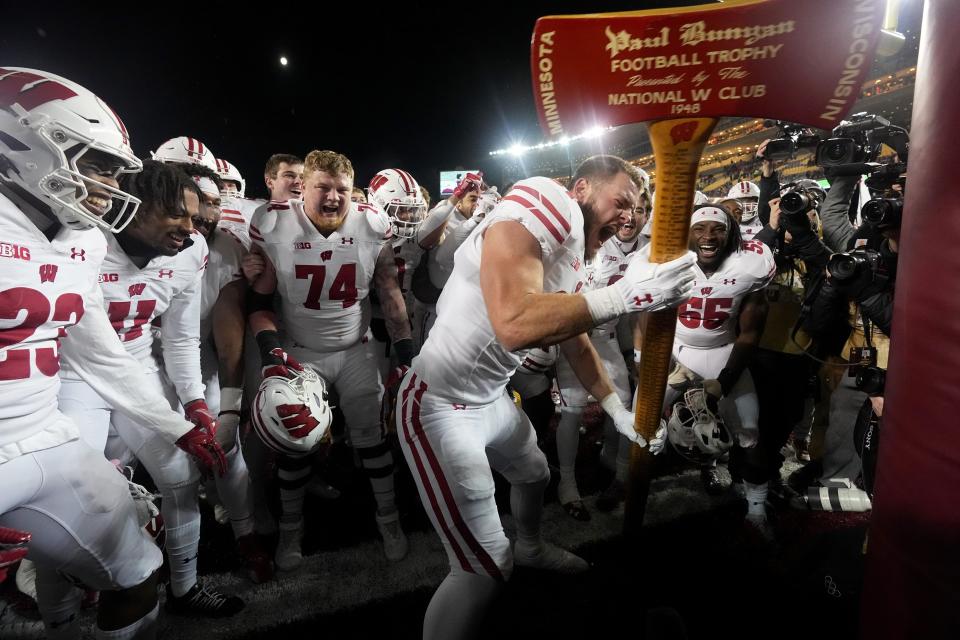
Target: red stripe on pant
point(417, 430)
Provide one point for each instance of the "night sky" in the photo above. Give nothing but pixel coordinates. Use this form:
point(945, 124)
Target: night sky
point(387, 86)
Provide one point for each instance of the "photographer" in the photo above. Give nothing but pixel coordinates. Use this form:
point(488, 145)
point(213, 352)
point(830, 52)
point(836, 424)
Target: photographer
point(780, 370)
point(862, 272)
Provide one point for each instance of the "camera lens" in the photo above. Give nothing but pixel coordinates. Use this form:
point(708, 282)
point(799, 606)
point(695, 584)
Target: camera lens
point(875, 211)
point(792, 203)
point(871, 380)
point(836, 151)
point(842, 267)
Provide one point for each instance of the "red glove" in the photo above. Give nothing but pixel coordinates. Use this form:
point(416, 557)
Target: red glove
point(391, 393)
point(396, 376)
point(280, 363)
point(205, 449)
point(13, 547)
point(199, 414)
point(470, 182)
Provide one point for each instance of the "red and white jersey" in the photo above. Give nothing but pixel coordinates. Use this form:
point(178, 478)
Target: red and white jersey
point(47, 289)
point(462, 361)
point(223, 267)
point(407, 255)
point(167, 287)
point(322, 281)
point(610, 263)
point(43, 286)
point(236, 214)
point(750, 229)
point(709, 318)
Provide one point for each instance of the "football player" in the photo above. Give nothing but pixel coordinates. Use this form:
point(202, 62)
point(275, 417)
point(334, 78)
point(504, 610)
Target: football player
point(745, 206)
point(399, 195)
point(153, 271)
point(323, 255)
point(222, 332)
point(719, 329)
point(283, 176)
point(460, 207)
point(62, 150)
point(455, 418)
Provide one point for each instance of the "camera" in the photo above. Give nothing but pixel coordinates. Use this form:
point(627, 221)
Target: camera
point(799, 198)
point(859, 140)
point(791, 138)
point(847, 268)
point(871, 380)
point(883, 213)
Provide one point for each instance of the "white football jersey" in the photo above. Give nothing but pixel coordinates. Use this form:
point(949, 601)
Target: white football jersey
point(750, 229)
point(43, 286)
point(407, 254)
point(223, 267)
point(236, 214)
point(709, 318)
point(167, 287)
point(462, 361)
point(322, 281)
point(611, 261)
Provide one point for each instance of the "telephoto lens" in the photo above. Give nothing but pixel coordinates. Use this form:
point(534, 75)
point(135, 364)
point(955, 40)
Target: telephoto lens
point(845, 266)
point(871, 380)
point(796, 202)
point(837, 499)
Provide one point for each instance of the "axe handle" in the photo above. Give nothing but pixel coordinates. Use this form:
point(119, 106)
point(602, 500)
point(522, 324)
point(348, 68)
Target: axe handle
point(677, 148)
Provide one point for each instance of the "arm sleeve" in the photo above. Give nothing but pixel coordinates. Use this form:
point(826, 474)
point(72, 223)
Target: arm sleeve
point(95, 354)
point(435, 218)
point(443, 254)
point(180, 340)
point(837, 230)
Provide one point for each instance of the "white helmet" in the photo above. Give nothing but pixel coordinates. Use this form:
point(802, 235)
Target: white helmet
point(227, 171)
point(699, 197)
point(397, 193)
point(695, 432)
point(46, 124)
point(742, 191)
point(187, 151)
point(292, 415)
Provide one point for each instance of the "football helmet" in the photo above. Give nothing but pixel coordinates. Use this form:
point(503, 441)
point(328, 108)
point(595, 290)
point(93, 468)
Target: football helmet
point(228, 172)
point(47, 123)
point(187, 151)
point(744, 191)
point(292, 415)
point(396, 192)
point(696, 432)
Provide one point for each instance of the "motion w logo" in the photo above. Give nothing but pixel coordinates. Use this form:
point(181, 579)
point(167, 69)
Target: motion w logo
point(297, 419)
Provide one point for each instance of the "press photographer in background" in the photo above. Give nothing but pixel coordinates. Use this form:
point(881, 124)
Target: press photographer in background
point(851, 308)
point(781, 371)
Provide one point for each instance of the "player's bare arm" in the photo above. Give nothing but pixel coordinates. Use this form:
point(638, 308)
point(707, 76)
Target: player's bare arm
point(229, 325)
point(753, 317)
point(391, 298)
point(260, 299)
point(511, 278)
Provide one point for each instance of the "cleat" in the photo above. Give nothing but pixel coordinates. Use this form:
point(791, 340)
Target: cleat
point(549, 557)
point(289, 555)
point(394, 541)
point(203, 602)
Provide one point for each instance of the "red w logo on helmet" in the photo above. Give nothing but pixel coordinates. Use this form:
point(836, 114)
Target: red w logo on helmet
point(30, 90)
point(378, 181)
point(297, 419)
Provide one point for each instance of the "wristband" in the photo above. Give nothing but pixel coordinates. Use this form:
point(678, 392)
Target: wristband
point(267, 341)
point(611, 404)
point(605, 304)
point(404, 351)
point(230, 399)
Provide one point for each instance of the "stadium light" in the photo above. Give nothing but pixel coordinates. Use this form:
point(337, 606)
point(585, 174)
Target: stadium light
point(517, 150)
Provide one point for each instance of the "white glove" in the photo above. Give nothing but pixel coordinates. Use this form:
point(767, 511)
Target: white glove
point(623, 420)
point(644, 287)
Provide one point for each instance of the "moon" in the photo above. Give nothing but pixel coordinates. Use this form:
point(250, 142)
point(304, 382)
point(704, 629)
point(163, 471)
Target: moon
point(283, 61)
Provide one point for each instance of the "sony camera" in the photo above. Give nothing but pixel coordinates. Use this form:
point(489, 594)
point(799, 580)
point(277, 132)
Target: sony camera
point(858, 265)
point(791, 138)
point(858, 141)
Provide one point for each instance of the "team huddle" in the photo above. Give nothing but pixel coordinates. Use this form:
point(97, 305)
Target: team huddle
point(149, 311)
